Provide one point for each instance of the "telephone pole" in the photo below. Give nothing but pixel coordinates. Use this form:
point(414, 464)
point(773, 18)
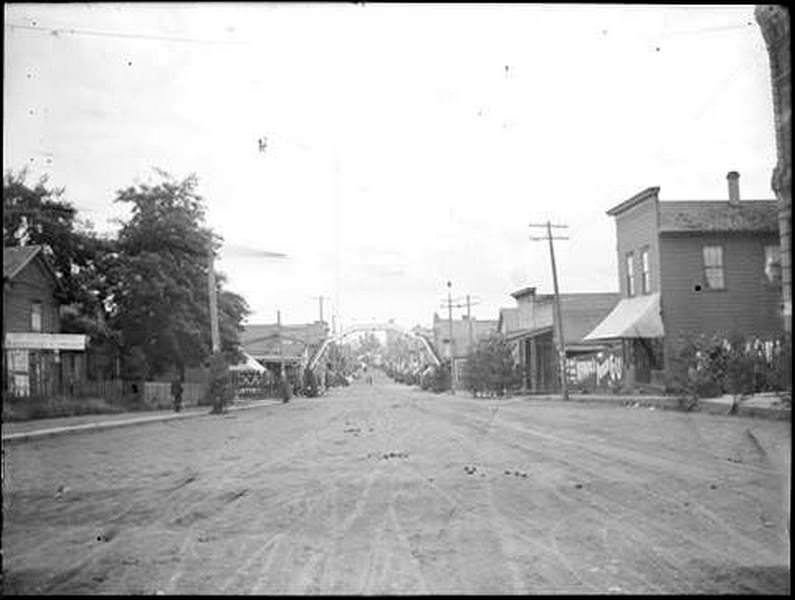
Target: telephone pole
point(561, 340)
point(452, 352)
point(449, 304)
point(214, 334)
point(470, 303)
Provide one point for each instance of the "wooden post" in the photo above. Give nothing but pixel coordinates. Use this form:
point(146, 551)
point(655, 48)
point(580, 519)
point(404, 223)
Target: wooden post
point(214, 334)
point(561, 340)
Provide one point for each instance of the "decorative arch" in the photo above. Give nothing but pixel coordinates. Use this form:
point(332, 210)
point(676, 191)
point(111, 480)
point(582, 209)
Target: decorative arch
point(365, 327)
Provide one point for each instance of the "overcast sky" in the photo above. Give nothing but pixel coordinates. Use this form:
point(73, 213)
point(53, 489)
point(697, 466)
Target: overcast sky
point(453, 127)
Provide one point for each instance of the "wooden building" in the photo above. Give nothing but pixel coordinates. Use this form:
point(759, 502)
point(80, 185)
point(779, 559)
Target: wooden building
point(532, 329)
point(687, 268)
point(38, 360)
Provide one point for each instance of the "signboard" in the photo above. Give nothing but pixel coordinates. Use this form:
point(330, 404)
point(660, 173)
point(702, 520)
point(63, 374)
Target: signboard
point(45, 341)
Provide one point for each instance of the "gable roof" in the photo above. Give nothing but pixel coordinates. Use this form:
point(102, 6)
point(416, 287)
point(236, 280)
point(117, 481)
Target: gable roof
point(718, 215)
point(263, 339)
point(16, 258)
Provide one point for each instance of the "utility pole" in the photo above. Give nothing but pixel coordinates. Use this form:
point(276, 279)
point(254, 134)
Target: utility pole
point(561, 340)
point(450, 304)
point(452, 352)
point(214, 334)
point(470, 303)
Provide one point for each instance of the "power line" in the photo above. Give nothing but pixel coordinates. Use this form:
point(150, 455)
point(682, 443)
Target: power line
point(56, 31)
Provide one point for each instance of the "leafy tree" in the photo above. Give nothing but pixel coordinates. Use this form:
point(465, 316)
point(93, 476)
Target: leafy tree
point(160, 295)
point(38, 214)
point(491, 367)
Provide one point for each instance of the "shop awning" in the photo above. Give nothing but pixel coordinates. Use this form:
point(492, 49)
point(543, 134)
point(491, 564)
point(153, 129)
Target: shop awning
point(637, 317)
point(45, 341)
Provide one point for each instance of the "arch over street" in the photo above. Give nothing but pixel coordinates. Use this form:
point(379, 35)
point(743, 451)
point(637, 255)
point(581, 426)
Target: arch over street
point(365, 327)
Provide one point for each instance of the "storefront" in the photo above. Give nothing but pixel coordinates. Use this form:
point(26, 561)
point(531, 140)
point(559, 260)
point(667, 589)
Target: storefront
point(42, 364)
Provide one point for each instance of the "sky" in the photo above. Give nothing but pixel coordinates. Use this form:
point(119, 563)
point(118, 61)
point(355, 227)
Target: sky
point(407, 145)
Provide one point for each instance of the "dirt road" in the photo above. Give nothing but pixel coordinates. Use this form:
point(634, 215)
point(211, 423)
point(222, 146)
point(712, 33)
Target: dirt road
point(386, 489)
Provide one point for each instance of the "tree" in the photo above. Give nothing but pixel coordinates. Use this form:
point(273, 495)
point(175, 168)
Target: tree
point(160, 294)
point(39, 215)
point(491, 367)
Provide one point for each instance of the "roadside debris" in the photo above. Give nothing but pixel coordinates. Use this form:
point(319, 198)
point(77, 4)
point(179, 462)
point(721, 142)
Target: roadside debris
point(388, 455)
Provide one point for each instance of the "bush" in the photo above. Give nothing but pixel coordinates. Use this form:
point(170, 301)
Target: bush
point(436, 378)
point(706, 367)
point(491, 368)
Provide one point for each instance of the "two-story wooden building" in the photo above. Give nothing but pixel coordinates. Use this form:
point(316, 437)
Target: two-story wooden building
point(38, 360)
point(687, 268)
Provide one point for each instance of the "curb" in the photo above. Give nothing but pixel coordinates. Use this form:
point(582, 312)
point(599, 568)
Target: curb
point(23, 436)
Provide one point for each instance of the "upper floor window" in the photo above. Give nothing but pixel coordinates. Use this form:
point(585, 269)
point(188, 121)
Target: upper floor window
point(35, 316)
point(773, 263)
point(713, 267)
point(630, 274)
point(645, 271)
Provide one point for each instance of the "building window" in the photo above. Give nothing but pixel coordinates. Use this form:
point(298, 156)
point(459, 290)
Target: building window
point(35, 316)
point(630, 275)
point(645, 271)
point(18, 364)
point(773, 264)
point(713, 267)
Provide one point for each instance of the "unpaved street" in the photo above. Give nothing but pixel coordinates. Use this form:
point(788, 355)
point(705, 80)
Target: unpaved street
point(386, 489)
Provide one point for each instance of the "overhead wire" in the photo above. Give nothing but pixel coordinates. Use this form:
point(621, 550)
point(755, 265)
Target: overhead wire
point(56, 31)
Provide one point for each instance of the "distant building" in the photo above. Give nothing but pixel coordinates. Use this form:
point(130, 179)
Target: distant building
point(687, 268)
point(466, 334)
point(38, 359)
point(292, 345)
point(531, 328)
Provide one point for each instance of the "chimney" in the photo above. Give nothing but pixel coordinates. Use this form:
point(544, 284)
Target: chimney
point(733, 177)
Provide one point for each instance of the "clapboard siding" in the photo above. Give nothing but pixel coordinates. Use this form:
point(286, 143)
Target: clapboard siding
point(31, 284)
point(748, 305)
point(635, 230)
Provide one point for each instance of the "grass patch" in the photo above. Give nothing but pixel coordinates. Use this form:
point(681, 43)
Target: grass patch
point(26, 409)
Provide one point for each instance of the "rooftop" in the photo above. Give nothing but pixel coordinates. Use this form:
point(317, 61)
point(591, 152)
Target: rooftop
point(718, 215)
point(16, 257)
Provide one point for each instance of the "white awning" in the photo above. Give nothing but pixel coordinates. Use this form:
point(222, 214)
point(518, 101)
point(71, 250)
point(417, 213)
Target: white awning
point(637, 317)
point(45, 341)
point(249, 364)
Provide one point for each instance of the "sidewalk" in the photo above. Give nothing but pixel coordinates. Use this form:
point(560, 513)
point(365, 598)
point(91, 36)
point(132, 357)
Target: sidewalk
point(38, 428)
point(767, 405)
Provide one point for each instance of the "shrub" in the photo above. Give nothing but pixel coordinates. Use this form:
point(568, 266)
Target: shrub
point(705, 367)
point(491, 367)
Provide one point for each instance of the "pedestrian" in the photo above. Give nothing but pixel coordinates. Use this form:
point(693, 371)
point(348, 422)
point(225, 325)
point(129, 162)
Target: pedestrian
point(176, 392)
